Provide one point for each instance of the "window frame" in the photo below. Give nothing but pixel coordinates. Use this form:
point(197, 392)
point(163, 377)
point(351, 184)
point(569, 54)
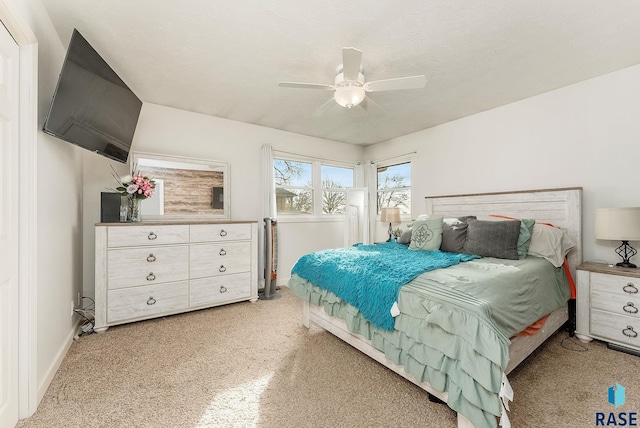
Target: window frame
point(317, 213)
point(410, 159)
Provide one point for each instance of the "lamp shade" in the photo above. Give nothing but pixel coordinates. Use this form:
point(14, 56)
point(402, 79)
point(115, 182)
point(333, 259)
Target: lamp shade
point(390, 215)
point(618, 224)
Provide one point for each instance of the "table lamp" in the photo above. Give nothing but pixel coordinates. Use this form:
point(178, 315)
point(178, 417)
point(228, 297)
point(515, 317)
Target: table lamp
point(391, 215)
point(619, 224)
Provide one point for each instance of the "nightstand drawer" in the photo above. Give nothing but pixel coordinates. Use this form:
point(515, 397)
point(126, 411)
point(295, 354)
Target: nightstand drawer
point(620, 328)
point(620, 305)
point(615, 285)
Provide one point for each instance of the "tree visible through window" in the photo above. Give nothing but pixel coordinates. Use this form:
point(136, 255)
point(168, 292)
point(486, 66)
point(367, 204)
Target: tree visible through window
point(394, 187)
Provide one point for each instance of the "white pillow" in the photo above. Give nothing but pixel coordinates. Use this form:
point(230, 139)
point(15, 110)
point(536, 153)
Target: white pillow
point(551, 243)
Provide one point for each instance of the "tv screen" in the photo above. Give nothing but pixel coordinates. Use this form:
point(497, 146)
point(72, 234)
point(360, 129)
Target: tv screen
point(92, 107)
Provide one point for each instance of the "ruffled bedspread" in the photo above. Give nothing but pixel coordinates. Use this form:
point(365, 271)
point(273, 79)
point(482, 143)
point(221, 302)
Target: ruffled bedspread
point(446, 340)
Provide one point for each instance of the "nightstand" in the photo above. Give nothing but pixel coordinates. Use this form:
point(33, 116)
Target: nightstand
point(608, 305)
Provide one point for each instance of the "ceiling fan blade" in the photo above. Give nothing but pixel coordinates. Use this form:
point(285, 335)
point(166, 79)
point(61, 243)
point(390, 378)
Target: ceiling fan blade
point(306, 85)
point(412, 82)
point(371, 106)
point(351, 60)
point(331, 103)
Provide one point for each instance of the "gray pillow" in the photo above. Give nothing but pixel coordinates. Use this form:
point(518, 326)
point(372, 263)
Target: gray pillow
point(454, 233)
point(405, 238)
point(493, 238)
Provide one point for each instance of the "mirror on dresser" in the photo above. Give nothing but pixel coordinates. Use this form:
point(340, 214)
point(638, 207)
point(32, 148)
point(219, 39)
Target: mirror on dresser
point(186, 188)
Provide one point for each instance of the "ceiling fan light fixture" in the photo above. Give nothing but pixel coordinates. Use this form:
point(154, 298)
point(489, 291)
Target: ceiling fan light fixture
point(349, 96)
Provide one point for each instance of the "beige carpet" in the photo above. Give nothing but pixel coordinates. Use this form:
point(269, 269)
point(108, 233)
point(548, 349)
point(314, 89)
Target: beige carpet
point(255, 365)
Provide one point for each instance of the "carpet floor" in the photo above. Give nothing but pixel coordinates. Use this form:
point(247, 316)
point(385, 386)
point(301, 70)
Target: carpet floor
point(256, 365)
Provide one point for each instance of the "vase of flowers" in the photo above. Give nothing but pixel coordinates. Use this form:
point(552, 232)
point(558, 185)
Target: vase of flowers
point(136, 188)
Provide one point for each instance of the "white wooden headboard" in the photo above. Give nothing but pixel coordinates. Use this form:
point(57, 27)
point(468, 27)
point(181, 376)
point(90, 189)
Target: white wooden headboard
point(560, 207)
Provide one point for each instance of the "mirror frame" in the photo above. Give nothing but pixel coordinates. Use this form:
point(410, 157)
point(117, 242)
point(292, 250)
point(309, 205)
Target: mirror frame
point(134, 160)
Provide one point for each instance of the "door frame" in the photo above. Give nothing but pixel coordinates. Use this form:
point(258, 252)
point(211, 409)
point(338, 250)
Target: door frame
point(27, 234)
point(364, 224)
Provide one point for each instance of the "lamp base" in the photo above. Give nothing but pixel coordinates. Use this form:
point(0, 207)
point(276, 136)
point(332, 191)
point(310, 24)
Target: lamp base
point(626, 265)
point(626, 251)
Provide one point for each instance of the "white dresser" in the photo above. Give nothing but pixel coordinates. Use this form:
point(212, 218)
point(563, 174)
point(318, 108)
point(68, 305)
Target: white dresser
point(608, 305)
point(147, 270)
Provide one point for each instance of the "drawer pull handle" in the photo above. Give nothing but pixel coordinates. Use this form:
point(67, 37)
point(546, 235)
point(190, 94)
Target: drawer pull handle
point(222, 252)
point(223, 232)
point(151, 276)
point(630, 288)
point(222, 268)
point(630, 308)
point(151, 258)
point(223, 289)
point(152, 236)
point(629, 332)
point(151, 301)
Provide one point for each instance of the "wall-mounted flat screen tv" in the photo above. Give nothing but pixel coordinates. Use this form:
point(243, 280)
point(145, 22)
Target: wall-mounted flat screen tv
point(92, 107)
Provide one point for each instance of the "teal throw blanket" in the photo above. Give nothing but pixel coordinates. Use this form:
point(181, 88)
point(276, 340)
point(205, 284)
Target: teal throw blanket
point(368, 277)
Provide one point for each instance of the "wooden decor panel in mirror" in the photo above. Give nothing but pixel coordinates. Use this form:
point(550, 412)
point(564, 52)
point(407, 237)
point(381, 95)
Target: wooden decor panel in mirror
point(186, 188)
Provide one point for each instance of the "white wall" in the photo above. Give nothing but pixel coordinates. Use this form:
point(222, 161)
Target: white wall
point(59, 213)
point(587, 135)
point(166, 130)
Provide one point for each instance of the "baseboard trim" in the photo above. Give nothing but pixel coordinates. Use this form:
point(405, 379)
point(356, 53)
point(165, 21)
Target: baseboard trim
point(56, 363)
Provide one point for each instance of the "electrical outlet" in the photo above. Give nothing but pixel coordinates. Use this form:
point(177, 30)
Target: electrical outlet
point(79, 304)
point(72, 308)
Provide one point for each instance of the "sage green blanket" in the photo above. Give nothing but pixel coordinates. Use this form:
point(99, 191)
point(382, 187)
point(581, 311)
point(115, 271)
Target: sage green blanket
point(454, 325)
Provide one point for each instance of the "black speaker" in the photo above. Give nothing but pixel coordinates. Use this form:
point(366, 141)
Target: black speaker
point(109, 207)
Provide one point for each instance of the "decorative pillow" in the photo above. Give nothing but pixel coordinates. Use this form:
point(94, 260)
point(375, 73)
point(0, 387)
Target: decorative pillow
point(551, 243)
point(524, 239)
point(426, 234)
point(454, 233)
point(405, 238)
point(493, 238)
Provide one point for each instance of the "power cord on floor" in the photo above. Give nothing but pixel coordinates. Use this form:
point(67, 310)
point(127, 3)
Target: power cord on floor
point(570, 343)
point(88, 315)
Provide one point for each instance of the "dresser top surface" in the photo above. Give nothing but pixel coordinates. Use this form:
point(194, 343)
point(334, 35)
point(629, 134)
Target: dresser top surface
point(177, 222)
point(611, 270)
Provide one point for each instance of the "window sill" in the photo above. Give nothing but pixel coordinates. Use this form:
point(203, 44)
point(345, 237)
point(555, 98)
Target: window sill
point(310, 219)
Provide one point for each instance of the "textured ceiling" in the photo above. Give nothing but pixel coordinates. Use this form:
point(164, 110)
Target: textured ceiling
point(224, 58)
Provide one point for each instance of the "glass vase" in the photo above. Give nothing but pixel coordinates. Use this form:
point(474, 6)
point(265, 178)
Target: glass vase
point(133, 213)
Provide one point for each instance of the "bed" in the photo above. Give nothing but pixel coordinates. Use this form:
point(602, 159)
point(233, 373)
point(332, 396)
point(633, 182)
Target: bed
point(559, 207)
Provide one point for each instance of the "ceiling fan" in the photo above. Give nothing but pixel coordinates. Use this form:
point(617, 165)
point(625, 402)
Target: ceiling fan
point(350, 87)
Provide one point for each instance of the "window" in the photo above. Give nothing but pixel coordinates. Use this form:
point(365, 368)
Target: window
point(294, 190)
point(311, 187)
point(394, 186)
point(333, 180)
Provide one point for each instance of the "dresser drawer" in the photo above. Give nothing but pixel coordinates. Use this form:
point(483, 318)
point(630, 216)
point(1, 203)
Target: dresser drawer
point(220, 232)
point(216, 290)
point(129, 267)
point(622, 286)
point(621, 305)
point(133, 236)
point(618, 328)
point(147, 301)
point(219, 259)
